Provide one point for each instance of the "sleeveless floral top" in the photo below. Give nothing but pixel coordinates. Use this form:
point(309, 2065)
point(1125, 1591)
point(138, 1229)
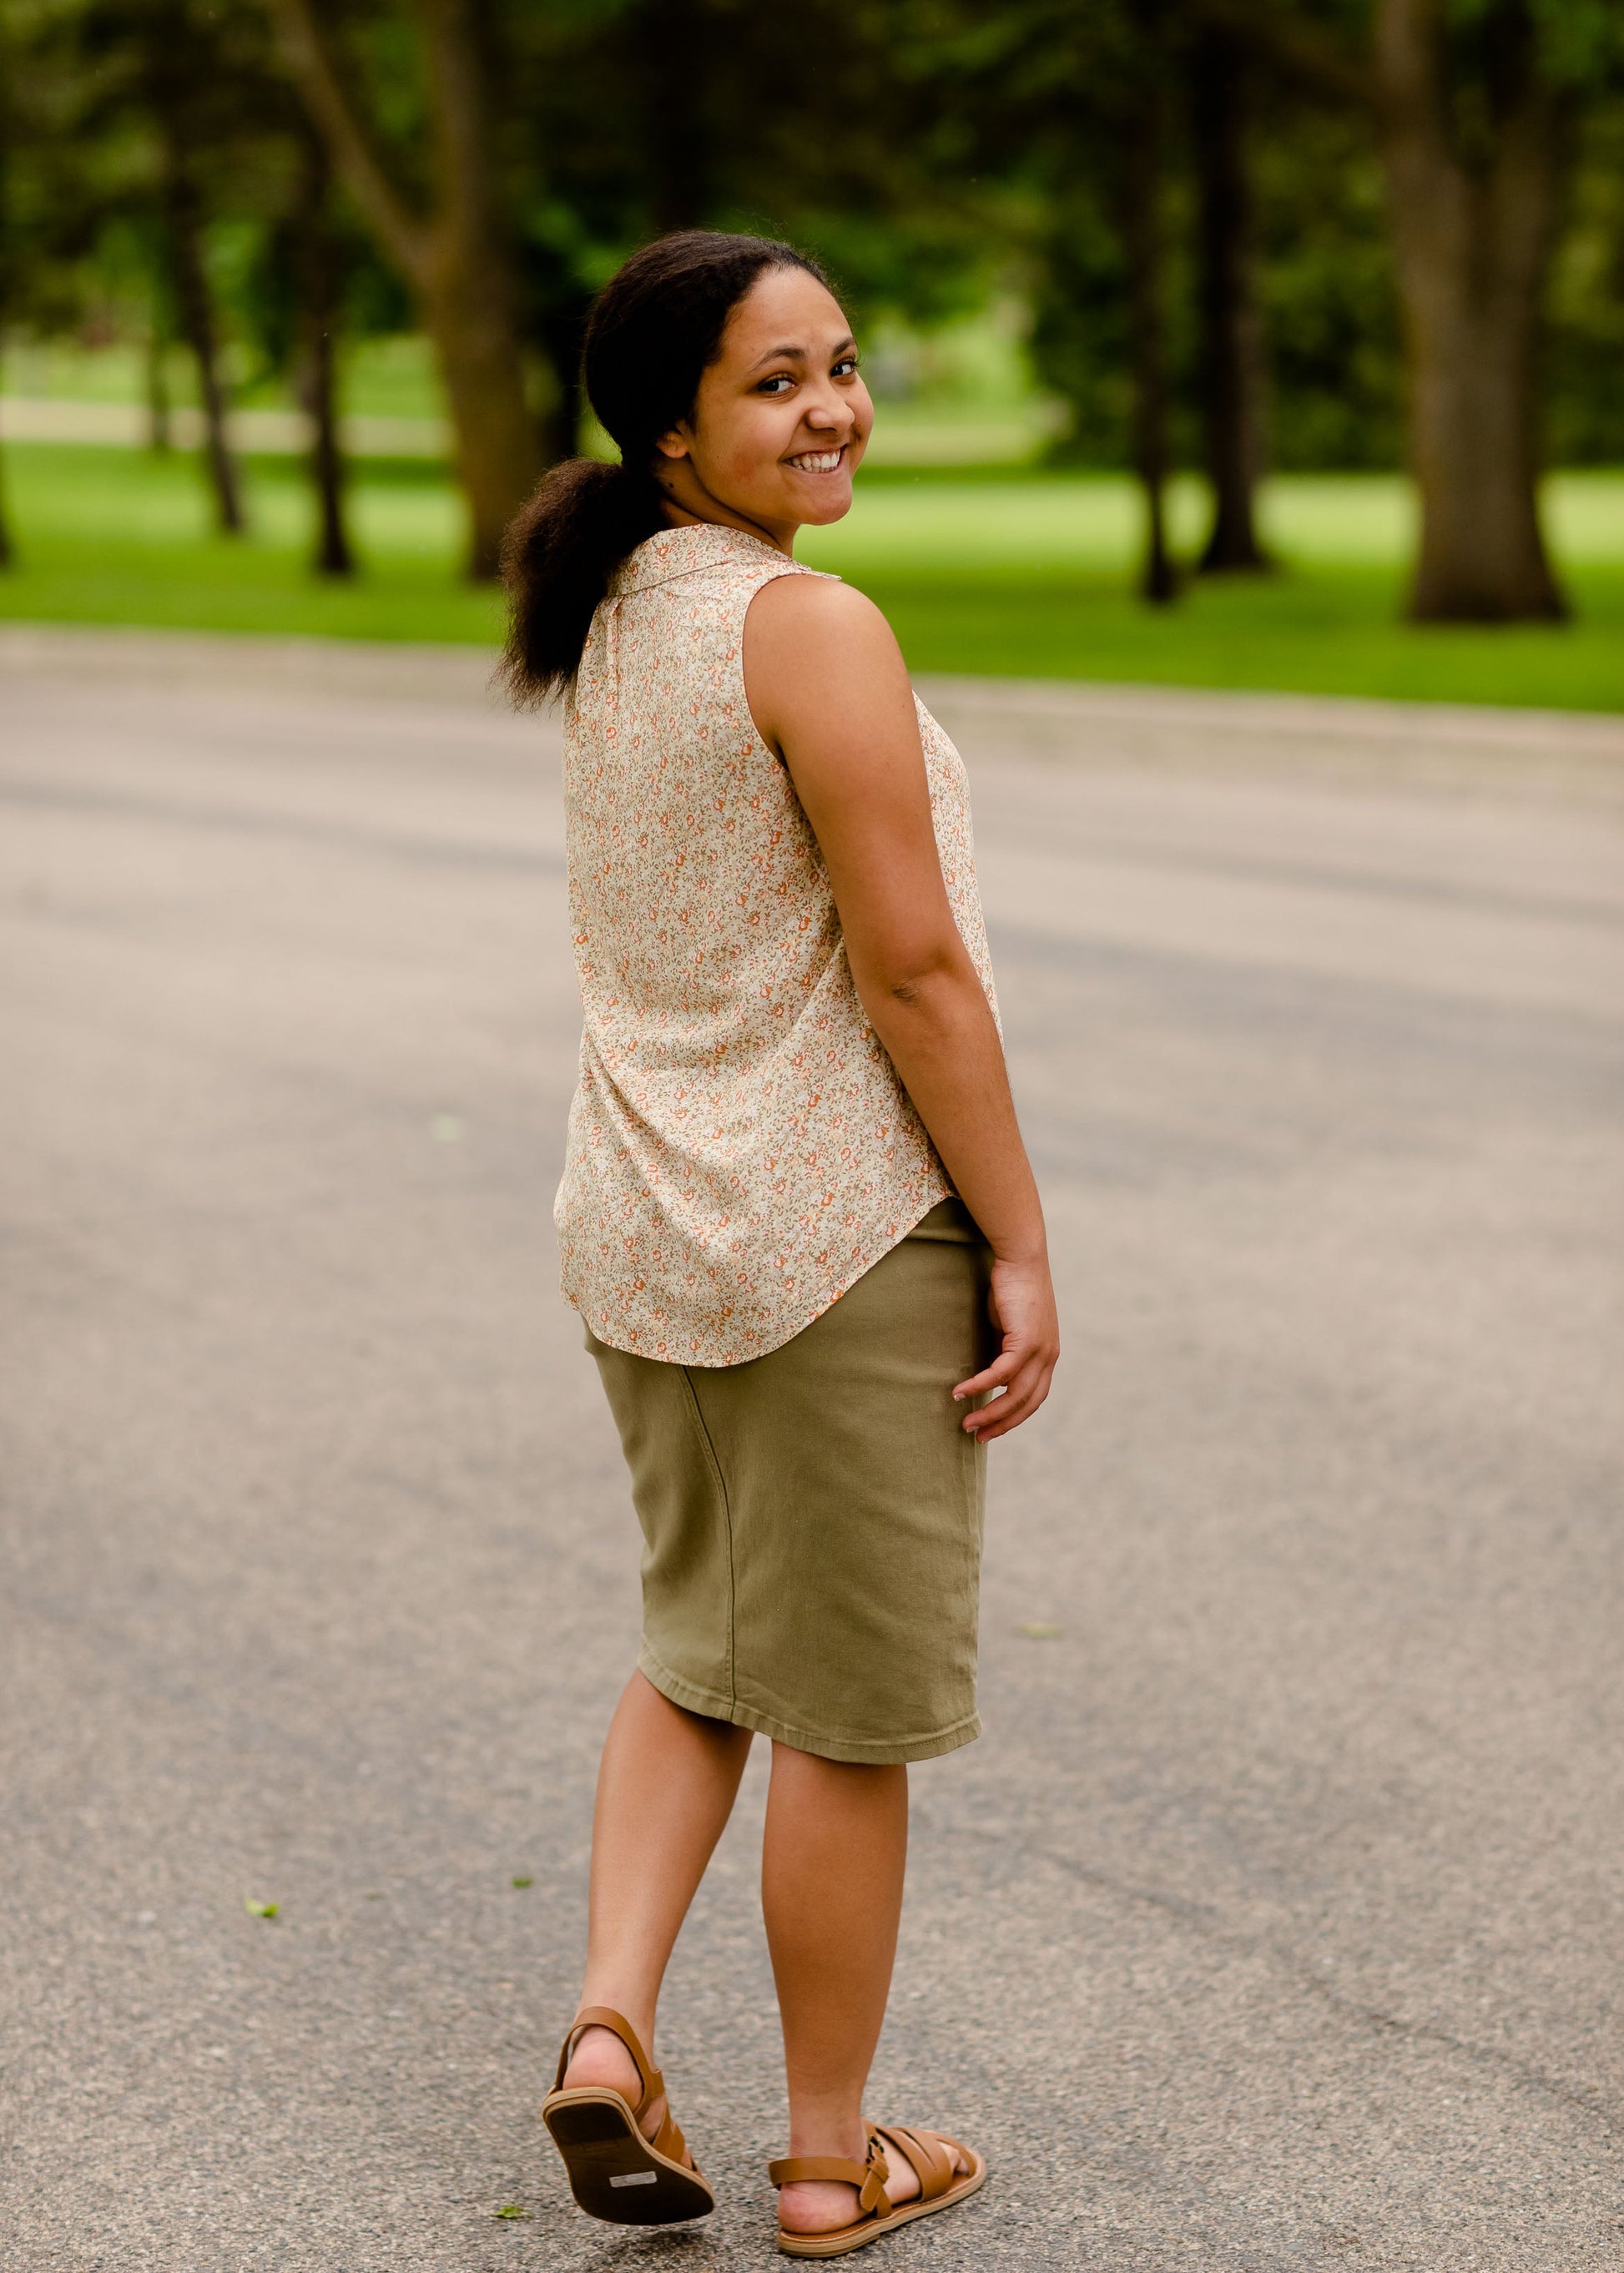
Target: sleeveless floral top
point(740, 1148)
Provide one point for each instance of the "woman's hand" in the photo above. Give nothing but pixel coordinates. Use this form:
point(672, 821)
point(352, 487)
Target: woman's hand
point(1021, 1305)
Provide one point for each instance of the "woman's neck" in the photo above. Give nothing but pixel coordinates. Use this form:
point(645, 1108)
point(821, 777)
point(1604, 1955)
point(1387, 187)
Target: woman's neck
point(686, 503)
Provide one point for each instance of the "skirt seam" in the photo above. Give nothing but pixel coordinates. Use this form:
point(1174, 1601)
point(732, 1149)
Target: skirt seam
point(715, 1467)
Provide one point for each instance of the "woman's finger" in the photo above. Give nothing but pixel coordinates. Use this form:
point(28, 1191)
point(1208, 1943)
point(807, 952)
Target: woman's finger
point(993, 1422)
point(1003, 1369)
point(1017, 1404)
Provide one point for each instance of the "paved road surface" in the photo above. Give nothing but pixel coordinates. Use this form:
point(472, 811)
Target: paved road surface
point(1275, 1923)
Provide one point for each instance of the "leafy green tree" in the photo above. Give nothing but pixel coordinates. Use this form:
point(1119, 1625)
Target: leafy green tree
point(1476, 105)
point(185, 179)
point(1585, 354)
point(506, 157)
point(1075, 102)
point(1328, 295)
point(179, 89)
point(625, 117)
point(407, 102)
point(44, 210)
point(174, 91)
point(1231, 364)
point(295, 303)
point(155, 118)
point(1475, 115)
point(9, 250)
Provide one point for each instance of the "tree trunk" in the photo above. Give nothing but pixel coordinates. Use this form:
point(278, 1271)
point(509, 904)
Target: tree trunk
point(8, 557)
point(318, 268)
point(468, 312)
point(1232, 341)
point(563, 335)
point(1142, 236)
point(1473, 243)
point(158, 433)
point(670, 40)
point(454, 258)
point(197, 322)
point(334, 555)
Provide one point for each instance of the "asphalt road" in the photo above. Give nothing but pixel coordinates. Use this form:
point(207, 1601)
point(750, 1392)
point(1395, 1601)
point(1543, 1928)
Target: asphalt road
point(1275, 1924)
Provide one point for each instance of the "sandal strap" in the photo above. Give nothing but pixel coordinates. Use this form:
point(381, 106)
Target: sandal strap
point(932, 2165)
point(869, 2178)
point(797, 2169)
point(668, 2139)
point(604, 2016)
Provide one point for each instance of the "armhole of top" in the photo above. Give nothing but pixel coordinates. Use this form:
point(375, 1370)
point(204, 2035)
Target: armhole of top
point(791, 568)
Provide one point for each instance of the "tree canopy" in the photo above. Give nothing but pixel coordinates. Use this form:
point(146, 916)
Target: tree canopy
point(1246, 232)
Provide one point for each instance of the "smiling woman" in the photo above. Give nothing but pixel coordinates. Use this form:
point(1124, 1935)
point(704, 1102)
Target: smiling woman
point(796, 1215)
point(742, 459)
point(757, 424)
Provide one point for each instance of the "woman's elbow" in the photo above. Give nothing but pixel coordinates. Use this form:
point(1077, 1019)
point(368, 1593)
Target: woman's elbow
point(925, 977)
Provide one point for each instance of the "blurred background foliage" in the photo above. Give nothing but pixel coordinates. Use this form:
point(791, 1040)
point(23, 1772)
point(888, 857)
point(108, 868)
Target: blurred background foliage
point(1270, 313)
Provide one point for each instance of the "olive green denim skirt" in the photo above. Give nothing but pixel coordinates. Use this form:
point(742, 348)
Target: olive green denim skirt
point(812, 1519)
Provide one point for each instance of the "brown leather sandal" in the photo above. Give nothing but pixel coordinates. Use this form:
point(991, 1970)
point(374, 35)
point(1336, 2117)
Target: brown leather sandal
point(614, 2172)
point(940, 2186)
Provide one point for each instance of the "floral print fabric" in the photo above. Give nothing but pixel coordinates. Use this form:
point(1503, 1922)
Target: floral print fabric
point(740, 1149)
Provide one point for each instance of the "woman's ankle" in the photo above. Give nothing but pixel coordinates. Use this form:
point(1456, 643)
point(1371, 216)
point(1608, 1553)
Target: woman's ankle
point(837, 2133)
point(597, 2055)
point(635, 2006)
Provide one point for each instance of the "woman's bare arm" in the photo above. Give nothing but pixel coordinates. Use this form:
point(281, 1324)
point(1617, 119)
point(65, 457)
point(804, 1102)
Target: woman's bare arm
point(830, 694)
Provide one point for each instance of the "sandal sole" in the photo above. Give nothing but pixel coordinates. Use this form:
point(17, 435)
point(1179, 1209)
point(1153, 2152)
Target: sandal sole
point(614, 2174)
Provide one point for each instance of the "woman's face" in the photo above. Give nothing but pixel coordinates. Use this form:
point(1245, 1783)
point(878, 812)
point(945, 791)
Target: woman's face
point(781, 418)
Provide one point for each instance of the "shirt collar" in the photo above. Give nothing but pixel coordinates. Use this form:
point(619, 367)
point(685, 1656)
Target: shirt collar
point(683, 551)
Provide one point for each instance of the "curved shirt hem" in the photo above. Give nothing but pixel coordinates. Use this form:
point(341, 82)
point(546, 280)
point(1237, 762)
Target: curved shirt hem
point(827, 1302)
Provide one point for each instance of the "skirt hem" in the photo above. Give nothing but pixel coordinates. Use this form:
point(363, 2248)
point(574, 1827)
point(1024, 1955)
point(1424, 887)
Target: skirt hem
point(860, 1752)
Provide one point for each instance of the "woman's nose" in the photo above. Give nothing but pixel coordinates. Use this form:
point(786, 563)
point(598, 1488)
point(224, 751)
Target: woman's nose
point(828, 412)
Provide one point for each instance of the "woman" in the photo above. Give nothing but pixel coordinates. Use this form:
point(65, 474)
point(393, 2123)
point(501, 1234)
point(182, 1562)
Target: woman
point(796, 1215)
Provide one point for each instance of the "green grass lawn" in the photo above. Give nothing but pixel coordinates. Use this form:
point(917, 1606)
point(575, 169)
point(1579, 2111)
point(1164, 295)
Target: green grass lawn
point(995, 571)
point(117, 537)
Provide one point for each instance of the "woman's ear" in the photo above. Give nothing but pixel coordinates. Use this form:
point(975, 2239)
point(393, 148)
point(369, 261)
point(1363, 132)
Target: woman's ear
point(672, 444)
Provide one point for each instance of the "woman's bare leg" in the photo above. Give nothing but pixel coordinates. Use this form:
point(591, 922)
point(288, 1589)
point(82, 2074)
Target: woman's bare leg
point(666, 1788)
point(832, 1868)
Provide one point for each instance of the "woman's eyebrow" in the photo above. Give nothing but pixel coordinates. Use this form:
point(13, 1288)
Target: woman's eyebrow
point(801, 355)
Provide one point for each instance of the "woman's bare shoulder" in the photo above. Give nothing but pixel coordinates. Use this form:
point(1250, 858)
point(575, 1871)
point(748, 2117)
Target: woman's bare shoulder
point(813, 638)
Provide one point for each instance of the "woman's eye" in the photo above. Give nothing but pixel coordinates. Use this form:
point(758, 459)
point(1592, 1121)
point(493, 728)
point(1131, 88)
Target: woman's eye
point(780, 380)
point(846, 368)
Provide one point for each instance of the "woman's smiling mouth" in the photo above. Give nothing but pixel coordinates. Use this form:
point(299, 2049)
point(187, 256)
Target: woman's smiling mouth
point(818, 461)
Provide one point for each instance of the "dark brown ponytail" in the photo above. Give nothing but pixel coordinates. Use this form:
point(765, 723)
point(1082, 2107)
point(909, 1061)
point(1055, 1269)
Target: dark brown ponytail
point(653, 330)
